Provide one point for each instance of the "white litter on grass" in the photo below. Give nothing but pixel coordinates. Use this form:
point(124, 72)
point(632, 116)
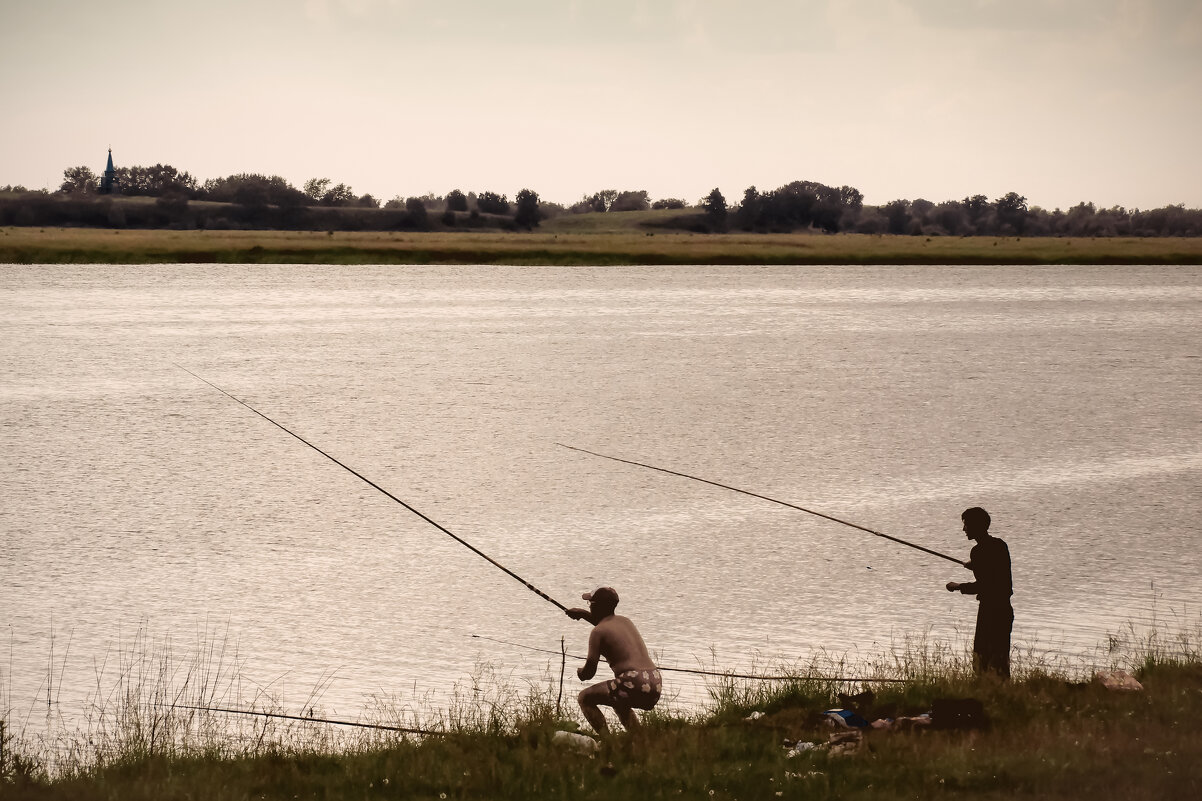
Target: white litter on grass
point(581, 743)
point(1118, 680)
point(800, 748)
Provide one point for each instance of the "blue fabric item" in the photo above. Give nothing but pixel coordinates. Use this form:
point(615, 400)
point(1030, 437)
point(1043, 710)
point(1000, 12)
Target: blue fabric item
point(846, 717)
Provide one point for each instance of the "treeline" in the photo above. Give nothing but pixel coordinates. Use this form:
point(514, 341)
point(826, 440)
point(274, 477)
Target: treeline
point(258, 201)
point(805, 204)
point(1009, 215)
point(176, 199)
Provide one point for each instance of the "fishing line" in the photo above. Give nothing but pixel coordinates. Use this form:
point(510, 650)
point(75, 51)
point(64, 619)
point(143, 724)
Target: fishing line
point(720, 674)
point(772, 500)
point(373, 484)
point(308, 720)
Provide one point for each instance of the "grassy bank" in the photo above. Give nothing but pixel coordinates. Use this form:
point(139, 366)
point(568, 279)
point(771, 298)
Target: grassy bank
point(1047, 734)
point(569, 243)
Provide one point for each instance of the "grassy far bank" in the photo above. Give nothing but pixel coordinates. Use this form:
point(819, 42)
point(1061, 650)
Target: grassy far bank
point(1048, 735)
point(566, 244)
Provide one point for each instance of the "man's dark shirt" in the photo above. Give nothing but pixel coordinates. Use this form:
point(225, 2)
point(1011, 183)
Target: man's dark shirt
point(989, 561)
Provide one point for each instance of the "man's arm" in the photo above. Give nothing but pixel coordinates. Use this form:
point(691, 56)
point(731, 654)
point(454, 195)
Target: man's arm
point(576, 613)
point(594, 656)
point(967, 587)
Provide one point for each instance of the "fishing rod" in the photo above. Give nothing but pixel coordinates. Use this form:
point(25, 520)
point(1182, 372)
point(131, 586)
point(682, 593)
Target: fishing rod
point(308, 720)
point(374, 485)
point(766, 498)
point(721, 674)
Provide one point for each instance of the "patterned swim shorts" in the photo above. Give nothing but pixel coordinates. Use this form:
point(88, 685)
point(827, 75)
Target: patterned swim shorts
point(639, 689)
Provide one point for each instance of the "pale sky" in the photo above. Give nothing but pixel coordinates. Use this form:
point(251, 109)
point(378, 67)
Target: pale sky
point(1058, 100)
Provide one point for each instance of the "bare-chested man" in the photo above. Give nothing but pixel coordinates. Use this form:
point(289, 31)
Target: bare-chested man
point(636, 683)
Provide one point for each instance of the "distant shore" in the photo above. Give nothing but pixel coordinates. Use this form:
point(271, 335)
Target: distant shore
point(552, 246)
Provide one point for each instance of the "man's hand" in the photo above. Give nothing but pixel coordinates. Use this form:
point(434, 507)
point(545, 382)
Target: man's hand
point(580, 673)
point(952, 586)
point(576, 614)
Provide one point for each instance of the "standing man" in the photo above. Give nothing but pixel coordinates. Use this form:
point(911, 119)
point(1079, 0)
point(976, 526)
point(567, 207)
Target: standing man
point(989, 561)
point(636, 683)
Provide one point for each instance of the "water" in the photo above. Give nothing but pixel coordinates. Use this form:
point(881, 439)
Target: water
point(140, 506)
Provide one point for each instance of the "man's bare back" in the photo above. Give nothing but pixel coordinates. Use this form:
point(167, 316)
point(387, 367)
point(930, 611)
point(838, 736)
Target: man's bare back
point(617, 640)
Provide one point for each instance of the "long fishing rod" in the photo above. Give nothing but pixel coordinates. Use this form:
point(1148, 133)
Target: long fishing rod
point(772, 500)
point(308, 720)
point(721, 674)
point(374, 485)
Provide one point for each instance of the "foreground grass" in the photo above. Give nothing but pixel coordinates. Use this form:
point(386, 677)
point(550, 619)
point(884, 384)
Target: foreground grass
point(563, 244)
point(1048, 738)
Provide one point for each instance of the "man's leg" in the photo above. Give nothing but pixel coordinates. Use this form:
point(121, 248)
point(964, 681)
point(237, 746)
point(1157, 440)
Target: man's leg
point(590, 698)
point(1000, 623)
point(629, 719)
point(980, 643)
point(991, 645)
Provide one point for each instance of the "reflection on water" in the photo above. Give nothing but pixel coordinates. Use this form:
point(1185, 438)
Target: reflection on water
point(137, 499)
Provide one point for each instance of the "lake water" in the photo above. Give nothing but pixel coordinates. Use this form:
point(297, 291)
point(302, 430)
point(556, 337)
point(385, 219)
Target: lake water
point(139, 507)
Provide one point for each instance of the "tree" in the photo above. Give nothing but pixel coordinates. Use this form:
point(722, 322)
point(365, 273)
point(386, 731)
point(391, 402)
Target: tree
point(251, 194)
point(794, 205)
point(871, 221)
point(669, 203)
point(976, 207)
point(270, 189)
point(527, 209)
point(851, 198)
point(583, 206)
point(1012, 211)
point(604, 200)
point(340, 195)
point(417, 211)
point(316, 187)
point(456, 201)
point(715, 209)
point(79, 180)
point(748, 215)
point(897, 212)
point(920, 208)
point(156, 181)
point(949, 215)
point(492, 203)
point(631, 201)
point(164, 179)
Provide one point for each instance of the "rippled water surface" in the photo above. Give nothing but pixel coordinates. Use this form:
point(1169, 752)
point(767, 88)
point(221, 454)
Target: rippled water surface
point(138, 502)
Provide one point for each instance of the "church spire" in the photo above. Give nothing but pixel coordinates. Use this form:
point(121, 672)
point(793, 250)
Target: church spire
point(108, 181)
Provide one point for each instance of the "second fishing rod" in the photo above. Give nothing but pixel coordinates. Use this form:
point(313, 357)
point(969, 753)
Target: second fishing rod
point(824, 516)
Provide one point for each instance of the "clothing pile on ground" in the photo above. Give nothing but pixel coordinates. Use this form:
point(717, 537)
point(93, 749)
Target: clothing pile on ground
point(849, 727)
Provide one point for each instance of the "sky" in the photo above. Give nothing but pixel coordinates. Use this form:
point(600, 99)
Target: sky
point(1061, 101)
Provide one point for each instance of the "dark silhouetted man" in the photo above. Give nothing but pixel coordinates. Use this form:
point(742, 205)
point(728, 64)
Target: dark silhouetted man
point(989, 561)
point(636, 683)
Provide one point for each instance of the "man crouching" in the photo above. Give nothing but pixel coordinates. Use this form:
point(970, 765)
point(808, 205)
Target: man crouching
point(636, 683)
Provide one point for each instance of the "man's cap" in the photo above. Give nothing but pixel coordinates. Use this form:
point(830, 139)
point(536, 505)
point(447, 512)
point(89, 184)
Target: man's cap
point(605, 596)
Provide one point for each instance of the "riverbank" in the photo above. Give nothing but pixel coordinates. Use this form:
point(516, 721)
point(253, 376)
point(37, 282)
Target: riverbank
point(568, 246)
point(1045, 735)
